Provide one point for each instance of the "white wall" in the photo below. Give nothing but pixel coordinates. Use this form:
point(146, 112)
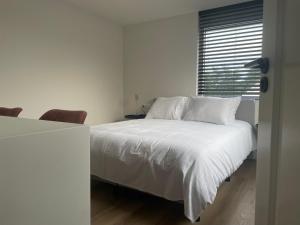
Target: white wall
point(160, 60)
point(54, 55)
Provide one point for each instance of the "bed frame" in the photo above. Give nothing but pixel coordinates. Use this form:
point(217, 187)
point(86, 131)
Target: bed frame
point(247, 111)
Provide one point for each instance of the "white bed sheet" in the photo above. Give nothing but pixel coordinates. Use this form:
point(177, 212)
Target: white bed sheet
point(176, 160)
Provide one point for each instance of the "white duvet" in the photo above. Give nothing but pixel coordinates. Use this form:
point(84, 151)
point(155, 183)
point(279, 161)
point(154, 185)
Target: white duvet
point(176, 160)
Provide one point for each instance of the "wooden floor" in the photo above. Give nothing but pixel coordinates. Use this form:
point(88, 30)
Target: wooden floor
point(234, 204)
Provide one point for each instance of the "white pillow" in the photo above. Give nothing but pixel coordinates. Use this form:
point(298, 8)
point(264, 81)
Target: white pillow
point(212, 109)
point(167, 108)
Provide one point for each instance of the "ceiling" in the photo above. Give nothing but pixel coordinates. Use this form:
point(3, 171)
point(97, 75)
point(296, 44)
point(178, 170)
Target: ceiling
point(127, 12)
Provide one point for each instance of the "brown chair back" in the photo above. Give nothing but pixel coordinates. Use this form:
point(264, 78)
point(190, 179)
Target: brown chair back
point(12, 112)
point(65, 116)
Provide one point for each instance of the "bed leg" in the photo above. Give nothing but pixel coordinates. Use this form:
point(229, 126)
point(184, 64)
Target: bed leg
point(228, 179)
point(116, 190)
point(198, 220)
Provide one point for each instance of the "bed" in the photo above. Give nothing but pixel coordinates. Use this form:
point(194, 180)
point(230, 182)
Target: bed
point(177, 160)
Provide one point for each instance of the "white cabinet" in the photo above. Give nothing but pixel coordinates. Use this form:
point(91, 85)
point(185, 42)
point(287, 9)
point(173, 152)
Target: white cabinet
point(44, 173)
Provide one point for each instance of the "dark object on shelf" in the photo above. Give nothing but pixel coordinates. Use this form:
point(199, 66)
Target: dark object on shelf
point(135, 117)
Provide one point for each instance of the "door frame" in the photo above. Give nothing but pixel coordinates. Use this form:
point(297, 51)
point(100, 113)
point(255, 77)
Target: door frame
point(269, 115)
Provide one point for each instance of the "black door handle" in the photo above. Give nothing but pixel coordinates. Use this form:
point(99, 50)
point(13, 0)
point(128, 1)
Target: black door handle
point(264, 84)
point(261, 63)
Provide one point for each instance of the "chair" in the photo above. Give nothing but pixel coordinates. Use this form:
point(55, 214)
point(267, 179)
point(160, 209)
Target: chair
point(11, 112)
point(65, 116)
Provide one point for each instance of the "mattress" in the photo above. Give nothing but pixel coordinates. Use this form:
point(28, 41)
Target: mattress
point(177, 160)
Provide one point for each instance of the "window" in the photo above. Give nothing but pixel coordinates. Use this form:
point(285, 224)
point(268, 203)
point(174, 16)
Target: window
point(229, 38)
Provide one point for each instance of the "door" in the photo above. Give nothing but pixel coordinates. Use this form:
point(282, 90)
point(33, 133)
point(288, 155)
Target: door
point(278, 162)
